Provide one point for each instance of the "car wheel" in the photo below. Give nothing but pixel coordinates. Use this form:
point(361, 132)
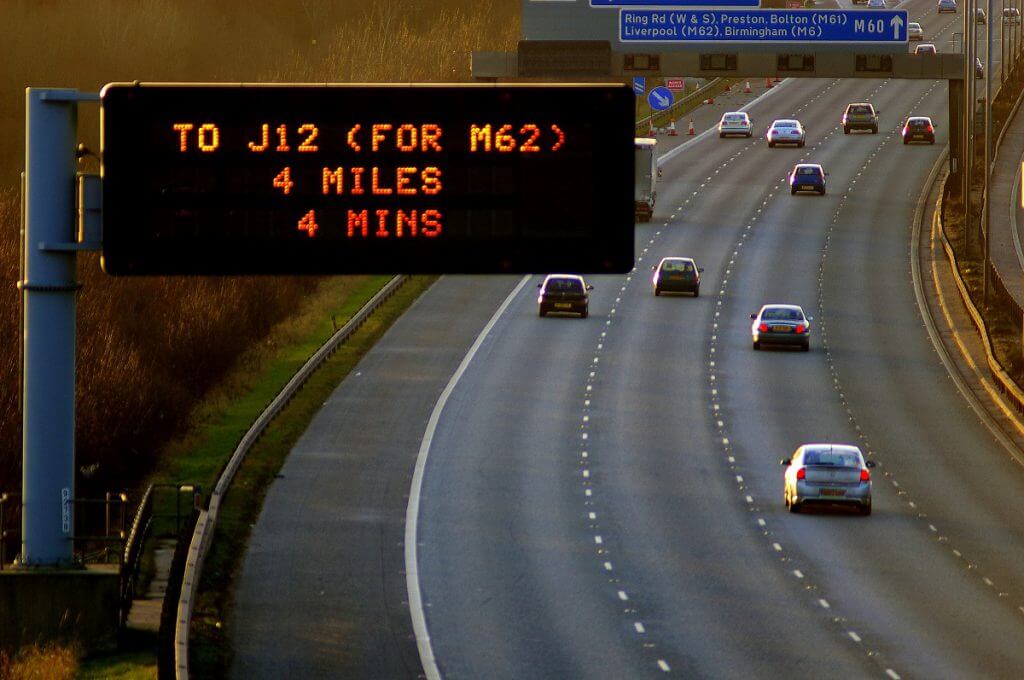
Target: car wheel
point(874, 130)
point(771, 145)
point(542, 311)
point(657, 291)
point(932, 141)
point(794, 507)
point(846, 130)
point(905, 141)
point(757, 344)
point(800, 144)
point(721, 135)
point(749, 134)
point(792, 192)
point(865, 509)
point(696, 292)
point(822, 192)
point(806, 347)
point(585, 313)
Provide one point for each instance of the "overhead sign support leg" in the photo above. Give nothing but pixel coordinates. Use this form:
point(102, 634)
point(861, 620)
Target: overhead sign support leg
point(49, 289)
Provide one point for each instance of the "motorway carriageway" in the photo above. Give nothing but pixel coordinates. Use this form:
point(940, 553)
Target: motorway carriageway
point(603, 497)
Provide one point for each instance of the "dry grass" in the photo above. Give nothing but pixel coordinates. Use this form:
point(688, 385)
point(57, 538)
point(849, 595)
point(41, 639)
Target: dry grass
point(150, 349)
point(48, 662)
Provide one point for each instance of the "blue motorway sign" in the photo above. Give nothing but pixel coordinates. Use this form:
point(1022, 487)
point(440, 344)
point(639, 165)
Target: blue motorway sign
point(660, 98)
point(674, 3)
point(639, 85)
point(763, 25)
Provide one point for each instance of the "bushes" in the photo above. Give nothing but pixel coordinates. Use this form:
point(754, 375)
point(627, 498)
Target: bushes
point(149, 348)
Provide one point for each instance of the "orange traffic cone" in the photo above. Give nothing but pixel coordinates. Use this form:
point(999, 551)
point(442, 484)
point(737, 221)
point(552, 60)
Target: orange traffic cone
point(710, 100)
point(747, 90)
point(728, 88)
point(777, 79)
point(768, 83)
point(672, 129)
point(691, 131)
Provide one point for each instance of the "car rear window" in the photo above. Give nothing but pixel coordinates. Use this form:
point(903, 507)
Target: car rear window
point(807, 171)
point(564, 286)
point(781, 315)
point(917, 122)
point(860, 110)
point(832, 458)
point(785, 124)
point(735, 118)
point(677, 266)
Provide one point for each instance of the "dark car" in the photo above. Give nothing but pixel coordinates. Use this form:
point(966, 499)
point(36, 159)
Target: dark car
point(781, 325)
point(677, 275)
point(807, 177)
point(979, 68)
point(918, 129)
point(564, 293)
point(860, 116)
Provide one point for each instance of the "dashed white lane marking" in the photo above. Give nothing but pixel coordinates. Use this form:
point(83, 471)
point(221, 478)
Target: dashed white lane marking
point(824, 604)
point(623, 596)
point(664, 666)
point(592, 515)
point(798, 573)
point(760, 521)
point(853, 636)
point(892, 674)
point(778, 548)
point(607, 566)
point(586, 473)
point(639, 627)
point(598, 540)
point(750, 499)
point(739, 478)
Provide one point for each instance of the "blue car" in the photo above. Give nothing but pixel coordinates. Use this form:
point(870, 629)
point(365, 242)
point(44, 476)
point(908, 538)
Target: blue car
point(807, 177)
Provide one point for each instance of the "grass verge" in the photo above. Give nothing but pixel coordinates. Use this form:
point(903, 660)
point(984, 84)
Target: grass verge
point(221, 421)
point(211, 652)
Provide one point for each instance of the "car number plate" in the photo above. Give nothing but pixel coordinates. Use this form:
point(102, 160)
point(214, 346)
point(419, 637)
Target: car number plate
point(833, 492)
point(563, 305)
point(807, 187)
point(781, 329)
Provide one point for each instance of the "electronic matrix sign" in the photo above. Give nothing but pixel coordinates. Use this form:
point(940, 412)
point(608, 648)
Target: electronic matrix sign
point(280, 179)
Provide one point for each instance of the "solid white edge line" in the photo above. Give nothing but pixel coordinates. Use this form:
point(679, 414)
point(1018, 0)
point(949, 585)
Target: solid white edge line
point(412, 512)
point(672, 153)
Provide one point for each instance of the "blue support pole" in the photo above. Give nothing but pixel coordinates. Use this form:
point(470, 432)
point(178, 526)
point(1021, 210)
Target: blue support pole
point(49, 290)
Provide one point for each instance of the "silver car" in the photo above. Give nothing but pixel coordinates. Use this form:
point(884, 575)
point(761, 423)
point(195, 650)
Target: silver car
point(914, 31)
point(827, 474)
point(876, 4)
point(735, 123)
point(946, 6)
point(785, 131)
point(781, 325)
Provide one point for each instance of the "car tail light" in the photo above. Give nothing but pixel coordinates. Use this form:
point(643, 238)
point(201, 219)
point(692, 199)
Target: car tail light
point(763, 327)
point(801, 473)
point(801, 329)
point(865, 475)
point(930, 128)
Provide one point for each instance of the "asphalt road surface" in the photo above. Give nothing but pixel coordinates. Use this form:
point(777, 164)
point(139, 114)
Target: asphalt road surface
point(603, 497)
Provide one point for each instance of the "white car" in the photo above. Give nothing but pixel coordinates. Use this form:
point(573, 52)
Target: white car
point(785, 131)
point(914, 31)
point(876, 4)
point(735, 123)
point(1011, 15)
point(946, 6)
point(827, 474)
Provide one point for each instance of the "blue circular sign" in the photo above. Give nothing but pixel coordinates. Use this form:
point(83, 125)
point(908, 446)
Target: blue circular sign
point(660, 98)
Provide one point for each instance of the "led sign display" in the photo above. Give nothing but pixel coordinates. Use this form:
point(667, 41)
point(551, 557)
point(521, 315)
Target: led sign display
point(281, 179)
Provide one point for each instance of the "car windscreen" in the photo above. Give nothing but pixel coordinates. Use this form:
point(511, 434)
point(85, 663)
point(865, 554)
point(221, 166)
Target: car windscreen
point(563, 286)
point(832, 458)
point(781, 315)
